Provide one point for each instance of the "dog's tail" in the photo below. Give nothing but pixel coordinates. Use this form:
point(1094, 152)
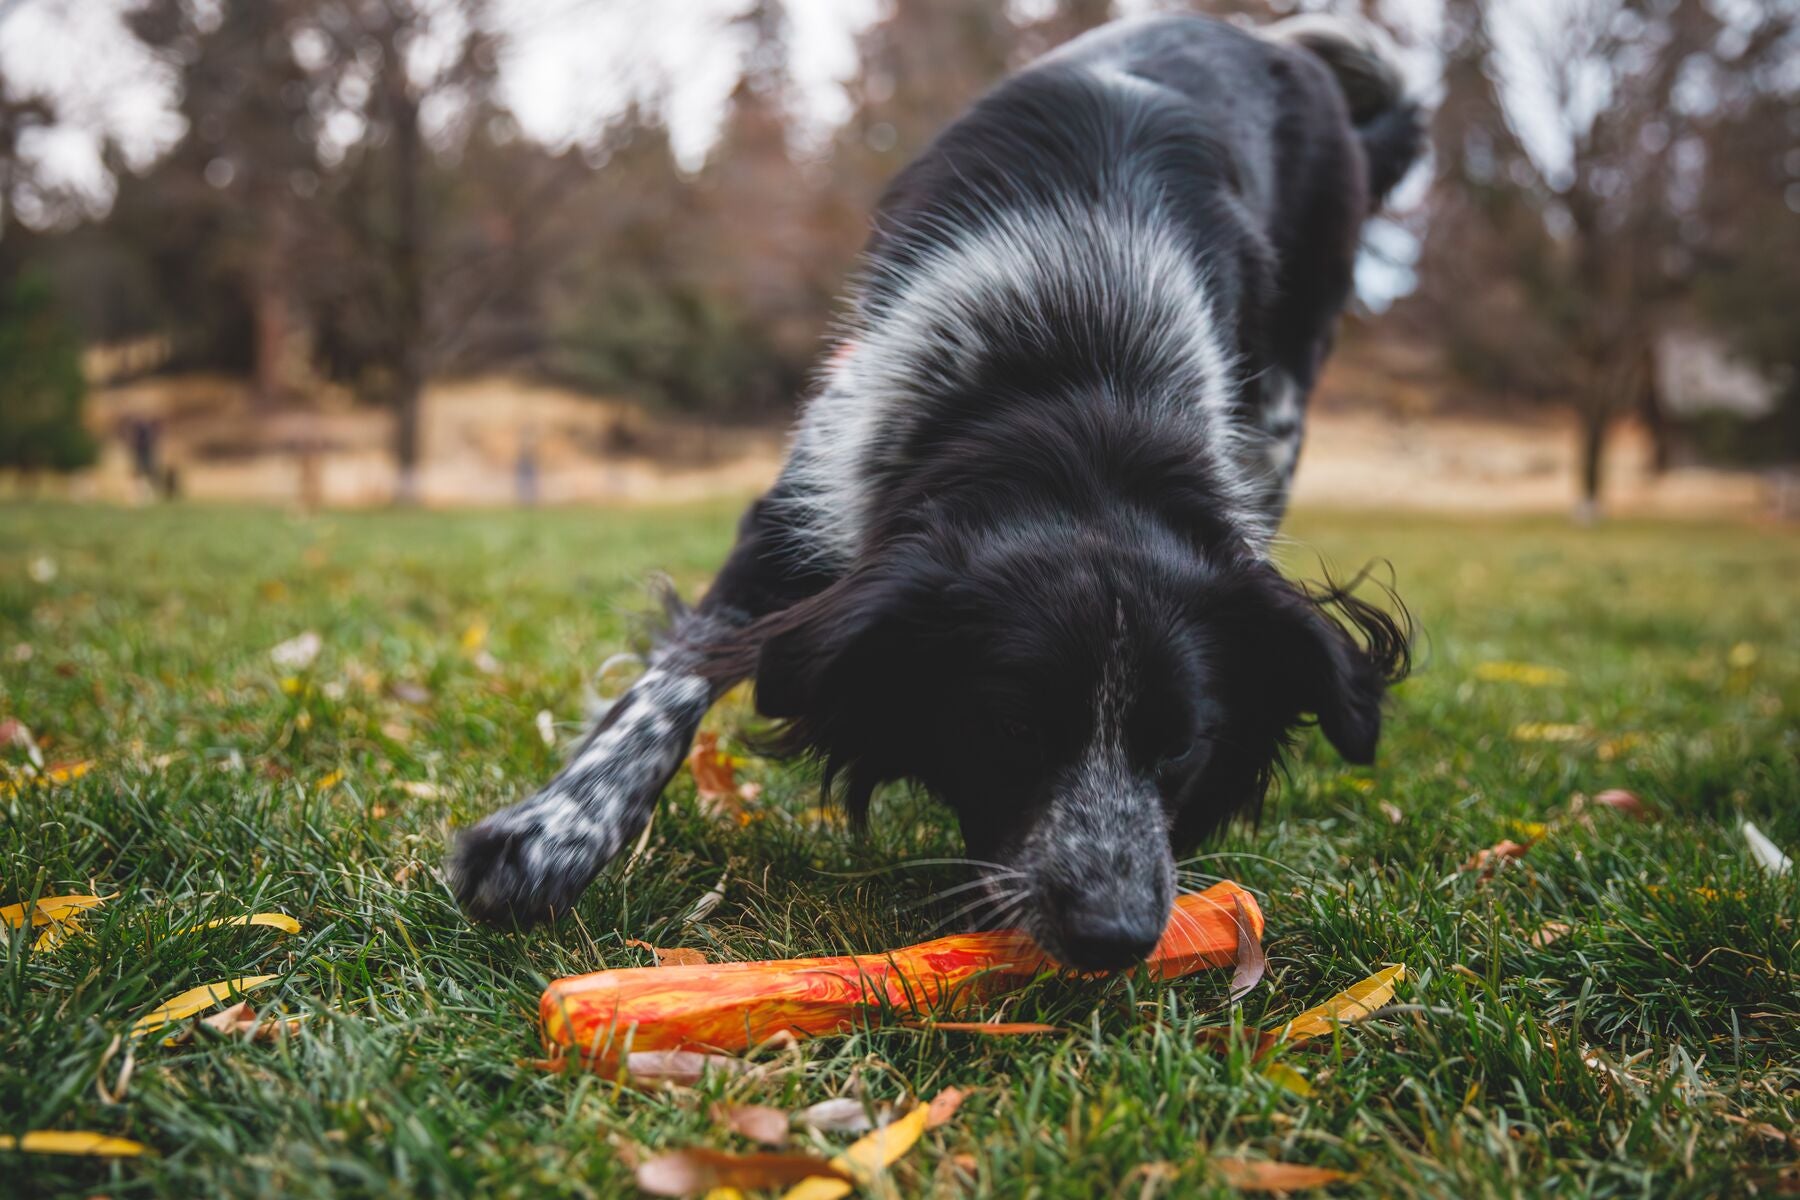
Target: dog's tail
point(1388, 118)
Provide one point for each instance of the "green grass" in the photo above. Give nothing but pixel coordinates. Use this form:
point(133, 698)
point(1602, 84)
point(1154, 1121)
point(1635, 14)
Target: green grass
point(148, 653)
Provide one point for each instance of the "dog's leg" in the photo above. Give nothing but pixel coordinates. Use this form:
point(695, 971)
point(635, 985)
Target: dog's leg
point(530, 861)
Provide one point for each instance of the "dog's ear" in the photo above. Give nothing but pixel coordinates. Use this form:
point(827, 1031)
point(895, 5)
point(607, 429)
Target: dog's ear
point(1310, 662)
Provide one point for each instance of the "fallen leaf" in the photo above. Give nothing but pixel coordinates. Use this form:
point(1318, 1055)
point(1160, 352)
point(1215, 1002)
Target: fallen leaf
point(418, 789)
point(866, 1157)
point(56, 933)
point(195, 1000)
point(1529, 674)
point(1255, 1175)
point(1352, 1004)
point(1286, 1077)
point(1488, 861)
point(679, 956)
point(272, 920)
point(72, 1141)
point(1546, 731)
point(715, 774)
point(705, 904)
point(685, 1067)
point(297, 653)
point(240, 1020)
point(14, 733)
point(1548, 932)
point(758, 1122)
point(1250, 965)
point(1620, 800)
point(844, 1114)
point(330, 781)
point(1531, 831)
point(50, 909)
point(1391, 812)
point(408, 692)
point(1767, 854)
point(475, 636)
point(698, 1170)
point(991, 1028)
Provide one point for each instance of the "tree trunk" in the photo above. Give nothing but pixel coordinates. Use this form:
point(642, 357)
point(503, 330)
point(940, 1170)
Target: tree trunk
point(1650, 408)
point(1593, 452)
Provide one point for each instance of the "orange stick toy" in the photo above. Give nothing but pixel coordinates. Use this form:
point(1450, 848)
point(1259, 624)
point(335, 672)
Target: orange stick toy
point(734, 1006)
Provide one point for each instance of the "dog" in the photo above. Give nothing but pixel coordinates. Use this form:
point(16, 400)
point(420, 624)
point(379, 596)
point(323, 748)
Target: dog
point(1019, 550)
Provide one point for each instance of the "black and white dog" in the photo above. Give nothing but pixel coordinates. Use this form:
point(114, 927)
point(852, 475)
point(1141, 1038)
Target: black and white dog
point(1019, 550)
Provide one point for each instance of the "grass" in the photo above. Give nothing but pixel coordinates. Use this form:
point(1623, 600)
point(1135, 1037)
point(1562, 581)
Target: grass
point(222, 784)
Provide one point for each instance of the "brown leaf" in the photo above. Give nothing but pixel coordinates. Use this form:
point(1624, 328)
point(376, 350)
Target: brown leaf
point(678, 956)
point(943, 1106)
point(715, 778)
point(1620, 800)
point(992, 1028)
point(1548, 932)
point(1251, 963)
point(696, 1170)
point(758, 1122)
point(240, 1020)
point(1254, 1175)
point(1489, 860)
point(844, 1114)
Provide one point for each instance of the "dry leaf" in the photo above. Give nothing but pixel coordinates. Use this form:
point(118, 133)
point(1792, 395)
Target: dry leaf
point(991, 1028)
point(758, 1122)
point(1489, 860)
point(679, 956)
point(845, 1114)
point(1254, 1175)
point(715, 774)
point(72, 1141)
point(195, 1000)
point(1547, 731)
point(240, 1020)
point(50, 909)
point(1250, 965)
point(1286, 1077)
point(271, 920)
point(1548, 932)
point(705, 904)
point(943, 1106)
point(1352, 1004)
point(1623, 801)
point(1767, 854)
point(1529, 674)
point(56, 933)
point(864, 1158)
point(297, 653)
point(697, 1170)
point(1391, 812)
point(418, 789)
point(685, 1067)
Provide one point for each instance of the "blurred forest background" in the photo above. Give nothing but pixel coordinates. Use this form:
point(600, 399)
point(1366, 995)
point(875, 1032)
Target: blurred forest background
point(311, 249)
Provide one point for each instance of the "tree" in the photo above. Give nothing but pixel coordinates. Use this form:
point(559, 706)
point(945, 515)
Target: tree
point(40, 378)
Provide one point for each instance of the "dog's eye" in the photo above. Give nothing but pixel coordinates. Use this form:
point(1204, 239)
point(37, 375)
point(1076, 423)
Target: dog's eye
point(1182, 754)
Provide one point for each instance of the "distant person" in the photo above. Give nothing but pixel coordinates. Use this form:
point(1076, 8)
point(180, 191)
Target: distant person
point(525, 469)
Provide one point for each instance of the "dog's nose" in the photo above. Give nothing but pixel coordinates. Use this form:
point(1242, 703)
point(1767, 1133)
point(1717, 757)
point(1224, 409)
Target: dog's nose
point(1104, 939)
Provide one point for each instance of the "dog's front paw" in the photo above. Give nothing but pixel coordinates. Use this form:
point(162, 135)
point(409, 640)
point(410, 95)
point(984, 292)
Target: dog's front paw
point(512, 869)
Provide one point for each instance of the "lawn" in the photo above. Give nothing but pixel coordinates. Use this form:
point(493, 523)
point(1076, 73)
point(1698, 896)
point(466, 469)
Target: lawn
point(1647, 1050)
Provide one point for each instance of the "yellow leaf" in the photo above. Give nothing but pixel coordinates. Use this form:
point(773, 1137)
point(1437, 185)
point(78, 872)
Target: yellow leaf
point(475, 636)
point(1546, 731)
point(1742, 656)
point(1248, 1175)
point(865, 1157)
point(195, 1000)
point(1529, 674)
point(291, 685)
point(273, 920)
point(1285, 1076)
point(1531, 831)
point(56, 934)
point(329, 782)
point(1352, 1004)
point(50, 908)
point(72, 1141)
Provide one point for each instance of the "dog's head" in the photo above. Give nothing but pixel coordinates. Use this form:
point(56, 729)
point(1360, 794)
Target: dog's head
point(1087, 705)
